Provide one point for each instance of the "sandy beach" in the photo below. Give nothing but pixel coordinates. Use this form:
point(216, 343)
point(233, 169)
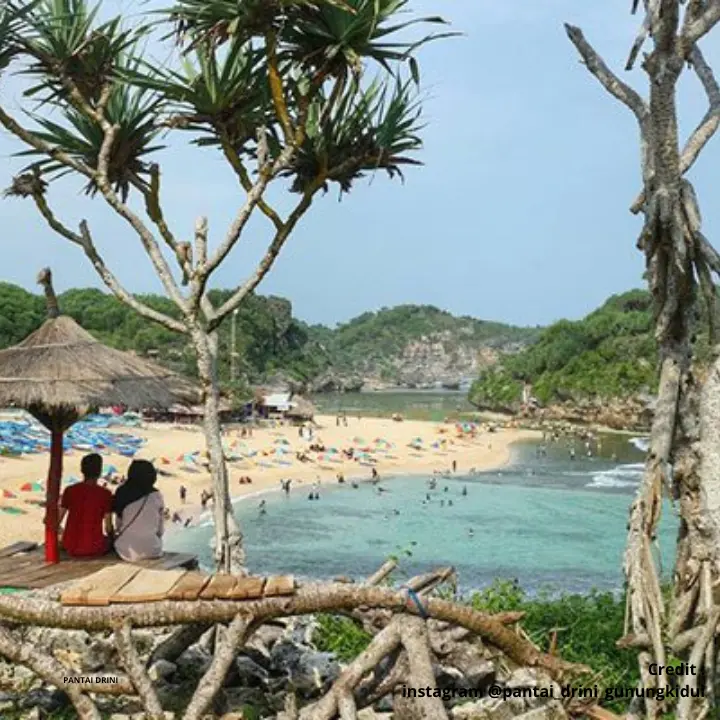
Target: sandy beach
point(398, 448)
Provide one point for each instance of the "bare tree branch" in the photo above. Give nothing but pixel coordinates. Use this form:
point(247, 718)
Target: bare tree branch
point(154, 209)
point(267, 261)
point(611, 82)
point(85, 241)
point(29, 138)
point(244, 178)
point(136, 670)
point(382, 644)
point(223, 657)
point(266, 174)
point(309, 599)
point(708, 126)
point(700, 27)
point(146, 237)
point(413, 632)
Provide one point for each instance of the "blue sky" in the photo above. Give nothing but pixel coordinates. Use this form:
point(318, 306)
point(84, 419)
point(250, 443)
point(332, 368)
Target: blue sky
point(520, 213)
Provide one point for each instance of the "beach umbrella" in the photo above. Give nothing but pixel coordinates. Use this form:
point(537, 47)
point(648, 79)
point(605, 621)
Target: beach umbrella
point(8, 494)
point(61, 373)
point(26, 487)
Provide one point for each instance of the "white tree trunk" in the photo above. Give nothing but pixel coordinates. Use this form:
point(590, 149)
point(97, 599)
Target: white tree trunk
point(229, 551)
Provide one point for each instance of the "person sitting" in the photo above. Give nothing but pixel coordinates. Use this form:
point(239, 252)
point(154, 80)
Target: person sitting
point(87, 506)
point(139, 508)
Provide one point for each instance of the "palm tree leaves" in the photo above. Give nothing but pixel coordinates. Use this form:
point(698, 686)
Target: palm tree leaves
point(333, 36)
point(315, 51)
point(216, 21)
point(368, 129)
point(218, 95)
point(133, 111)
point(337, 40)
point(63, 39)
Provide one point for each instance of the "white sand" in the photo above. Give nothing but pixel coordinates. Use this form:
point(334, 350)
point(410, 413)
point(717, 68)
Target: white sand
point(485, 451)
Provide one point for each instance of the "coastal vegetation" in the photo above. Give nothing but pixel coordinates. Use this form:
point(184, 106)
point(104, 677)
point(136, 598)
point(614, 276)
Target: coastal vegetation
point(376, 343)
point(609, 353)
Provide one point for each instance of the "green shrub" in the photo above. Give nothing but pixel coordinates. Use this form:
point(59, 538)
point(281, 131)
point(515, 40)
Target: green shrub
point(341, 636)
point(587, 628)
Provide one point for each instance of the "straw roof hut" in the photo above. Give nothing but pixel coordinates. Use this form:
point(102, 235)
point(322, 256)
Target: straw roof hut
point(61, 372)
point(300, 409)
point(61, 367)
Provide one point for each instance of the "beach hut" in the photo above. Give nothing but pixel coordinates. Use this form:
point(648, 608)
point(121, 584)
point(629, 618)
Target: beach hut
point(274, 405)
point(300, 409)
point(60, 373)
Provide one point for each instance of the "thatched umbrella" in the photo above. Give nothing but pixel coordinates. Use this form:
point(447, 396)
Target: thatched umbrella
point(60, 373)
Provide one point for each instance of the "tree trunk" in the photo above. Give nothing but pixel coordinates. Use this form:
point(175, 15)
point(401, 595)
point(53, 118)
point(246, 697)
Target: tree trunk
point(229, 552)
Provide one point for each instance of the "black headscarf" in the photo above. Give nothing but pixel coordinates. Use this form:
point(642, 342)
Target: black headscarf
point(140, 483)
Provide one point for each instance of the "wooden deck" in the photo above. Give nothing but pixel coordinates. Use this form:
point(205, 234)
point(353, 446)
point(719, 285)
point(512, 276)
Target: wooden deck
point(22, 565)
point(126, 583)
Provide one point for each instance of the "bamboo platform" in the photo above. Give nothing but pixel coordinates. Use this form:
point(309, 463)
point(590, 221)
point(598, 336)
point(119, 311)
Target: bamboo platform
point(23, 566)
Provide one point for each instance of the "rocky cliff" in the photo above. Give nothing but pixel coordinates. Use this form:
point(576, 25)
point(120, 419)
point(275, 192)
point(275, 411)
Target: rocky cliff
point(414, 346)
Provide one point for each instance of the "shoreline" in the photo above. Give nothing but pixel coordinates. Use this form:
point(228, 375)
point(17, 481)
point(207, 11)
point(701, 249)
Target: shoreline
point(409, 448)
point(205, 517)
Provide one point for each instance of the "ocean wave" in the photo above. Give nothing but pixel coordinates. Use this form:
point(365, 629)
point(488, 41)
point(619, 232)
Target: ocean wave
point(641, 443)
point(621, 476)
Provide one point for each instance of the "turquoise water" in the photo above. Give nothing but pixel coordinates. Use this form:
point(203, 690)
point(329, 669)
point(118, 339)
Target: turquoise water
point(547, 521)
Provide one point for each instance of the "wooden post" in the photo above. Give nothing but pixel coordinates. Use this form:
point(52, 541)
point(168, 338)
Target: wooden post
point(52, 497)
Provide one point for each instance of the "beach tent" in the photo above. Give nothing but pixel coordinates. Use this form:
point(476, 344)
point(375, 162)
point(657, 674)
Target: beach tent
point(61, 373)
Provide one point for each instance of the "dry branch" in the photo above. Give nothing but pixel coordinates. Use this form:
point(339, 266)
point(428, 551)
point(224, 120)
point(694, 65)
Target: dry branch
point(136, 670)
point(213, 679)
point(607, 78)
point(310, 599)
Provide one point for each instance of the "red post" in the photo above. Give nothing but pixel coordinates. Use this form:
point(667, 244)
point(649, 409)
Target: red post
point(52, 497)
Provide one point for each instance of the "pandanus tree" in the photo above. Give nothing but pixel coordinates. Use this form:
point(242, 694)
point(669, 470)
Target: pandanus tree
point(303, 95)
point(683, 460)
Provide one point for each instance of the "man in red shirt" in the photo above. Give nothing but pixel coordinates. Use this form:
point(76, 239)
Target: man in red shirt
point(88, 508)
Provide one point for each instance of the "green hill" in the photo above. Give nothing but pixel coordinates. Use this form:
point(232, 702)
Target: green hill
point(268, 337)
point(608, 354)
point(417, 345)
point(412, 344)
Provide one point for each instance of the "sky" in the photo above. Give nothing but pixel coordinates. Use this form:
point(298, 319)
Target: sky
point(519, 213)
